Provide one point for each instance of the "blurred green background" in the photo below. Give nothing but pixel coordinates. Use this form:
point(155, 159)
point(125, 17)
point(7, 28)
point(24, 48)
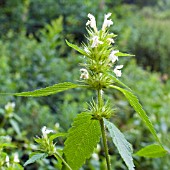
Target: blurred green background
point(33, 54)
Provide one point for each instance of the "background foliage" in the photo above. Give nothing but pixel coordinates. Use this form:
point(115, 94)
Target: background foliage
point(33, 54)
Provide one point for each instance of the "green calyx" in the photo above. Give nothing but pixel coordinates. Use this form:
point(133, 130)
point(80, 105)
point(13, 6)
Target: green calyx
point(99, 112)
point(46, 145)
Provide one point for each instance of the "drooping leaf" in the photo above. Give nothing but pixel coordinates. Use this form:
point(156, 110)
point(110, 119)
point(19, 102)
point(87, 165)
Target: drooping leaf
point(80, 50)
point(134, 102)
point(120, 54)
point(35, 157)
point(48, 90)
point(82, 139)
point(123, 146)
point(152, 151)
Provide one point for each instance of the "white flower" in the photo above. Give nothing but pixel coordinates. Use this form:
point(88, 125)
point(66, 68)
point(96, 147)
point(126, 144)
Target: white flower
point(86, 50)
point(57, 125)
point(84, 73)
point(112, 56)
point(92, 22)
point(7, 160)
point(96, 41)
point(16, 157)
point(107, 23)
point(95, 156)
point(110, 40)
point(10, 106)
point(117, 70)
point(46, 131)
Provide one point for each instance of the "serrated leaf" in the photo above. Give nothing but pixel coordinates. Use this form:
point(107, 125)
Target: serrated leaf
point(80, 50)
point(35, 157)
point(120, 54)
point(152, 151)
point(82, 139)
point(134, 102)
point(48, 90)
point(123, 146)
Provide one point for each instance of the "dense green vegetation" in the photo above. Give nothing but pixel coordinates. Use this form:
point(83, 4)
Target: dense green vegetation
point(33, 54)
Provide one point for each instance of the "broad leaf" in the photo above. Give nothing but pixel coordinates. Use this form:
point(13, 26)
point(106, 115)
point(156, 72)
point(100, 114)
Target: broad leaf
point(82, 139)
point(152, 151)
point(35, 157)
point(80, 50)
point(134, 102)
point(48, 90)
point(123, 146)
point(120, 54)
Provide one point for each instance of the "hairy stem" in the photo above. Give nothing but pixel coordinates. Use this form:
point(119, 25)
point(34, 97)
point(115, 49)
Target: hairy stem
point(65, 163)
point(99, 98)
point(105, 144)
point(100, 104)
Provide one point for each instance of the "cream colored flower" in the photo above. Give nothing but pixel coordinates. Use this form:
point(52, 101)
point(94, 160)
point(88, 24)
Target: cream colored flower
point(113, 57)
point(95, 156)
point(107, 23)
point(110, 40)
point(86, 50)
point(10, 106)
point(46, 131)
point(117, 70)
point(84, 73)
point(16, 157)
point(92, 22)
point(96, 41)
point(7, 160)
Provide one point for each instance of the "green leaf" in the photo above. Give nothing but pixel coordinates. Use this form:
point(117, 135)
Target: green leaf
point(134, 102)
point(54, 136)
point(120, 54)
point(35, 157)
point(48, 90)
point(8, 145)
point(123, 146)
point(152, 151)
point(116, 80)
point(80, 50)
point(82, 139)
point(15, 126)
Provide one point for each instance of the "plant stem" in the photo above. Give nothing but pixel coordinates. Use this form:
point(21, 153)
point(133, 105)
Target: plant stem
point(105, 144)
point(99, 98)
point(66, 164)
point(100, 104)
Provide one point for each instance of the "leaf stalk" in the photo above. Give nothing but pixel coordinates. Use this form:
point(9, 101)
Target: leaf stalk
point(65, 163)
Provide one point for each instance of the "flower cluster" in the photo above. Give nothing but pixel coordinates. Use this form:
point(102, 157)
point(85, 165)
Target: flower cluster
point(100, 54)
point(45, 142)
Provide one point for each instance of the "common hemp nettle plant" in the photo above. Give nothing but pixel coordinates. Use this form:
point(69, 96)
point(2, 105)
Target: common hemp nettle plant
point(99, 72)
